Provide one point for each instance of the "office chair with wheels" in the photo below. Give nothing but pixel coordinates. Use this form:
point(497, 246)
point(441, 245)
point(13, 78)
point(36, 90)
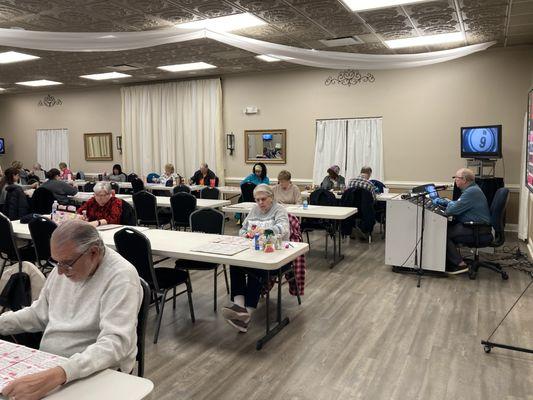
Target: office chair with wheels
point(41, 230)
point(135, 247)
point(482, 235)
point(182, 206)
point(206, 220)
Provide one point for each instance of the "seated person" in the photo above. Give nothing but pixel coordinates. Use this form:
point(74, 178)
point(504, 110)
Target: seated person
point(203, 176)
point(266, 214)
point(472, 206)
point(117, 175)
point(363, 182)
point(65, 174)
point(258, 175)
point(104, 208)
point(285, 192)
point(87, 309)
point(13, 200)
point(169, 174)
point(333, 180)
point(60, 189)
point(37, 172)
point(22, 172)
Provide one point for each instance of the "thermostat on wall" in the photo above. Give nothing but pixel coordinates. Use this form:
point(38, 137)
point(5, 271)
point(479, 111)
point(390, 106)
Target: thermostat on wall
point(251, 110)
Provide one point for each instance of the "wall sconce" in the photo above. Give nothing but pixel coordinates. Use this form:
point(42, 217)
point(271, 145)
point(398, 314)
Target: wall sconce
point(230, 142)
point(119, 143)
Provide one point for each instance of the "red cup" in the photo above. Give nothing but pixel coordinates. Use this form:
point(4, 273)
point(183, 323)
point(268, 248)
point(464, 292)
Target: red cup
point(212, 183)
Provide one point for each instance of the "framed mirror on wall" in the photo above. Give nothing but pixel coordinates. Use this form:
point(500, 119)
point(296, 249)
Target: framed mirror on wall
point(98, 146)
point(266, 145)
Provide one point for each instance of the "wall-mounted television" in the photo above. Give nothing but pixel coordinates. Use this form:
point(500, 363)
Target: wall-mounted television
point(481, 141)
point(2, 146)
point(267, 136)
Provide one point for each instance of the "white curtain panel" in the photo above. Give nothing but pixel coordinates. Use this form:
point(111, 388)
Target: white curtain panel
point(523, 213)
point(52, 147)
point(330, 147)
point(177, 122)
point(118, 41)
point(365, 147)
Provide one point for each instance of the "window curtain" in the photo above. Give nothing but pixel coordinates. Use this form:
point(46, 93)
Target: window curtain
point(330, 147)
point(350, 144)
point(178, 123)
point(52, 147)
point(364, 147)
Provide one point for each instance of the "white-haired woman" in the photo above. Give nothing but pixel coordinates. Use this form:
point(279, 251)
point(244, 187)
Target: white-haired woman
point(246, 283)
point(104, 208)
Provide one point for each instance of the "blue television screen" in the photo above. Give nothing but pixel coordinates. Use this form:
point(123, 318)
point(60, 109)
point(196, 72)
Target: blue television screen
point(267, 136)
point(481, 141)
point(2, 147)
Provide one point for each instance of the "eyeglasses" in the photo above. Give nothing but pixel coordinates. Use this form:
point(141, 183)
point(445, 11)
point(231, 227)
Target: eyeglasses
point(66, 266)
point(458, 177)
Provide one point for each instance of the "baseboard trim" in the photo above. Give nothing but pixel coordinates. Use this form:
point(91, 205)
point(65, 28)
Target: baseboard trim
point(511, 228)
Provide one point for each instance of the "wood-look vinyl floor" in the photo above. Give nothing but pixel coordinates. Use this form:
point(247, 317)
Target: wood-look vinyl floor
point(362, 332)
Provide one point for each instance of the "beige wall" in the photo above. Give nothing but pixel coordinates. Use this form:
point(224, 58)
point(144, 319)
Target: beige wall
point(422, 109)
point(85, 111)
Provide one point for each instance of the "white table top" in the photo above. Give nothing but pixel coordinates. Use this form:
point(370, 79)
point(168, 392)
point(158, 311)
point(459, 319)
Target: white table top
point(327, 212)
point(162, 201)
point(178, 244)
point(379, 197)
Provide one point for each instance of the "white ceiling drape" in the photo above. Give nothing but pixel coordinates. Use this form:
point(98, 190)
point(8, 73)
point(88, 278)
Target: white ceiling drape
point(120, 41)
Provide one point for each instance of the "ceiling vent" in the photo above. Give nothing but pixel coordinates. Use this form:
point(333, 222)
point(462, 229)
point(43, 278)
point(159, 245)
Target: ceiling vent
point(124, 67)
point(341, 41)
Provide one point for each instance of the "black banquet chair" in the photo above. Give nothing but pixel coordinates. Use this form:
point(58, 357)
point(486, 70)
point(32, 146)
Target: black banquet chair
point(41, 230)
point(146, 210)
point(142, 317)
point(42, 201)
point(209, 193)
point(182, 205)
point(137, 185)
point(9, 252)
point(247, 192)
point(206, 220)
point(89, 186)
point(128, 214)
point(135, 247)
point(181, 188)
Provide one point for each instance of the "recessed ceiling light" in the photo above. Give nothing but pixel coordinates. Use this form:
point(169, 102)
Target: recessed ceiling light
point(13, 56)
point(267, 58)
point(40, 82)
point(362, 5)
point(425, 40)
point(105, 75)
point(225, 24)
point(186, 67)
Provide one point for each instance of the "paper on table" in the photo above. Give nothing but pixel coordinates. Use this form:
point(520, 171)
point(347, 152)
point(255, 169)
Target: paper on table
point(232, 240)
point(222, 248)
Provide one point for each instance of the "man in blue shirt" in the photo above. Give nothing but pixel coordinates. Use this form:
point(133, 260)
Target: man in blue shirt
point(472, 205)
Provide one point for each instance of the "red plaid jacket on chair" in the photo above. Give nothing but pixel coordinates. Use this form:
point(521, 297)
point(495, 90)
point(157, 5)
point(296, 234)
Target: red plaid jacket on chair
point(298, 263)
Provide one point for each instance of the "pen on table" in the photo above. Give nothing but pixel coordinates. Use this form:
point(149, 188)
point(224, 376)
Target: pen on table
point(290, 244)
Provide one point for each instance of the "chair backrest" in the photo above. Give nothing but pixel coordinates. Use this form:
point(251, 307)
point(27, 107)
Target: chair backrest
point(41, 230)
point(497, 214)
point(8, 248)
point(209, 193)
point(42, 200)
point(145, 205)
point(247, 192)
point(137, 185)
point(80, 175)
point(182, 205)
point(89, 186)
point(181, 188)
point(135, 247)
point(322, 197)
point(128, 214)
point(114, 186)
point(169, 182)
point(207, 220)
point(142, 317)
point(131, 177)
point(151, 176)
point(378, 185)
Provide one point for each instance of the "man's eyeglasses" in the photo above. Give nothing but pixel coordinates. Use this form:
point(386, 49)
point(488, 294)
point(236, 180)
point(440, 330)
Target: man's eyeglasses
point(458, 177)
point(66, 266)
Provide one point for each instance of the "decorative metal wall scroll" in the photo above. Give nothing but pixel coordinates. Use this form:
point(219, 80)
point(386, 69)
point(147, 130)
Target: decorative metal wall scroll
point(49, 101)
point(349, 77)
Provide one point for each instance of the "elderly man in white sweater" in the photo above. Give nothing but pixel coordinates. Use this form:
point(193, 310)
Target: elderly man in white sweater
point(87, 311)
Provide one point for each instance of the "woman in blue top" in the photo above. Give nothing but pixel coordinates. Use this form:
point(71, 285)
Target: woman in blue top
point(258, 175)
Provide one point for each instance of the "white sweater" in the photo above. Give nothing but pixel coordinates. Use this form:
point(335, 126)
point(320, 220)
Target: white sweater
point(93, 323)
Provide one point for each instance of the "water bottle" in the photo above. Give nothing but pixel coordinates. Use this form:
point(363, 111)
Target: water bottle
point(305, 204)
point(256, 242)
point(54, 209)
